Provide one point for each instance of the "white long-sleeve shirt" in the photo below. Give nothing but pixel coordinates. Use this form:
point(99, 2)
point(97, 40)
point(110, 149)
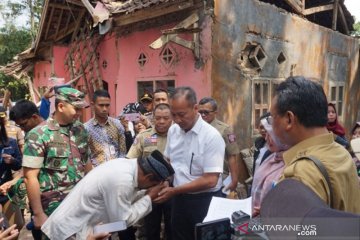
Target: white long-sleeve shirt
point(107, 194)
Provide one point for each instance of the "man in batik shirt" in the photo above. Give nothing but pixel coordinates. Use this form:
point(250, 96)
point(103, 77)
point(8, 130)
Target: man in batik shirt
point(106, 134)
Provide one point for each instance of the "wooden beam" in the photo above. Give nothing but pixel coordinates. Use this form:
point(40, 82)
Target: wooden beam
point(158, 43)
point(49, 23)
point(63, 34)
point(74, 2)
point(62, 6)
point(88, 6)
point(343, 20)
point(296, 5)
point(59, 23)
point(335, 13)
point(77, 24)
point(318, 9)
point(145, 14)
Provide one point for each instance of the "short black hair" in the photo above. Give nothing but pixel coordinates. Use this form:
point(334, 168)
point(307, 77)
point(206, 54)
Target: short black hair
point(210, 100)
point(23, 109)
point(160, 90)
point(161, 106)
point(188, 92)
point(100, 93)
point(305, 98)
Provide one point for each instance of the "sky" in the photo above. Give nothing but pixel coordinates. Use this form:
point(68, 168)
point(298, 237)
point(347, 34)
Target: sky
point(352, 5)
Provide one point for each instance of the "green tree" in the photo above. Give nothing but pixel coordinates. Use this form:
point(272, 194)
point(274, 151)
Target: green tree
point(356, 31)
point(12, 42)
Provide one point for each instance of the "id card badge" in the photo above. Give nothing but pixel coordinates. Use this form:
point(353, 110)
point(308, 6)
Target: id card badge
point(112, 150)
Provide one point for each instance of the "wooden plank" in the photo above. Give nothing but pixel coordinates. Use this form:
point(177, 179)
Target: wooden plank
point(154, 12)
point(296, 5)
point(335, 13)
point(343, 20)
point(184, 43)
point(158, 43)
point(75, 2)
point(49, 23)
point(61, 6)
point(318, 9)
point(59, 23)
point(88, 6)
point(77, 24)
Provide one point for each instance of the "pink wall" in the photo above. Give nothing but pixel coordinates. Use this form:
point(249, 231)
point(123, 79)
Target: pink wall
point(182, 68)
point(42, 72)
point(59, 62)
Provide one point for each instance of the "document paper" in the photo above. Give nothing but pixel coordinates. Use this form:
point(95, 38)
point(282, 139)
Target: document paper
point(224, 207)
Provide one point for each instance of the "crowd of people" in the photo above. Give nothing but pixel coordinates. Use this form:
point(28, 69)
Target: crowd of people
point(163, 159)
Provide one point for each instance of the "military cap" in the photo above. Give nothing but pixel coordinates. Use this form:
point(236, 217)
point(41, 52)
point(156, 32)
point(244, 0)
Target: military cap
point(72, 96)
point(146, 97)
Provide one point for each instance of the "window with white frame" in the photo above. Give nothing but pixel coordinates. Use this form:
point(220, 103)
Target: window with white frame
point(150, 86)
point(263, 90)
point(337, 96)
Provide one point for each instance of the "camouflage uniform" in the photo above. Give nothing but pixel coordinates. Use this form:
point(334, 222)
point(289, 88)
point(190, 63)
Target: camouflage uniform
point(60, 152)
point(229, 137)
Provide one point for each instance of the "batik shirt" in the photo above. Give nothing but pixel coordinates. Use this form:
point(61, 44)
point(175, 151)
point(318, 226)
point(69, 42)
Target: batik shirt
point(106, 141)
point(61, 154)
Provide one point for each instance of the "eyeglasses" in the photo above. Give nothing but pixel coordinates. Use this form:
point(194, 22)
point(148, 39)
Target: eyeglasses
point(205, 112)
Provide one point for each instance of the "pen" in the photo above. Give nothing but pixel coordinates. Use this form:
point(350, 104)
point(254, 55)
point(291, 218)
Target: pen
point(192, 157)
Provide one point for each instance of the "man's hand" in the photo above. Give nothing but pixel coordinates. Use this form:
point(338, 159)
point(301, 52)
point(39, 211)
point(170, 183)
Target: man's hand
point(153, 192)
point(98, 236)
point(9, 233)
point(39, 220)
point(124, 122)
point(232, 186)
point(8, 159)
point(49, 93)
point(165, 194)
point(5, 188)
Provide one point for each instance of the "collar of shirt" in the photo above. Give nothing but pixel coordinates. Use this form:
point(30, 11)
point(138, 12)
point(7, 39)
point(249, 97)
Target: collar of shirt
point(300, 149)
point(96, 122)
point(197, 126)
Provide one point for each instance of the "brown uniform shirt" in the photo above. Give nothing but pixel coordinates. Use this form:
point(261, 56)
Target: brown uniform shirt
point(146, 142)
point(231, 146)
point(339, 165)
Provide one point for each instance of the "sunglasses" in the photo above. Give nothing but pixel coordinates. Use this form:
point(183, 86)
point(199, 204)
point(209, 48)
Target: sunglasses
point(205, 112)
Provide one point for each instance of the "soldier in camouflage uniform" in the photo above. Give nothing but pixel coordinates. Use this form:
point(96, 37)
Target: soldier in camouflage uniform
point(56, 155)
point(144, 143)
point(208, 110)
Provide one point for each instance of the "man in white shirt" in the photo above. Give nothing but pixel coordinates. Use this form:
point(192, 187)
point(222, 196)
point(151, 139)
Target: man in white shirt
point(196, 150)
point(109, 193)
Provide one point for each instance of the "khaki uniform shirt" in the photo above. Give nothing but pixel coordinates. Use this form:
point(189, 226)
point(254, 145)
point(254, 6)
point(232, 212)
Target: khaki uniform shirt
point(146, 142)
point(229, 137)
point(15, 132)
point(339, 165)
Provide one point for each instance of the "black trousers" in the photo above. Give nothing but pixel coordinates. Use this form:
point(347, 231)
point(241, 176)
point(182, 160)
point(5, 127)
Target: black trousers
point(153, 221)
point(188, 210)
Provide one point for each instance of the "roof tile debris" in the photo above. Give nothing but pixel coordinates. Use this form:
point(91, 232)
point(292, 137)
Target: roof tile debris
point(129, 6)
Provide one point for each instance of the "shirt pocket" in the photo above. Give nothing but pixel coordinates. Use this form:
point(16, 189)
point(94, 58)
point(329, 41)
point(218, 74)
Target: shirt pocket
point(148, 150)
point(196, 165)
point(57, 160)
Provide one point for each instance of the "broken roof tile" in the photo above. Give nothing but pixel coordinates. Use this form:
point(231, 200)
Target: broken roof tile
point(128, 6)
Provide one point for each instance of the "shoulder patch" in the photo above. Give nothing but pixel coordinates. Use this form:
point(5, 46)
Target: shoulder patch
point(231, 137)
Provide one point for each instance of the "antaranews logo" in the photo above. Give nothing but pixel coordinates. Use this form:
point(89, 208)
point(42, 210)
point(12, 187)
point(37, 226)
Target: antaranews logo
point(302, 230)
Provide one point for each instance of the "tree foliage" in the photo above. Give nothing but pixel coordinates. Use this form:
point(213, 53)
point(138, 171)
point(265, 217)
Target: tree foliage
point(15, 37)
point(356, 31)
point(12, 42)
